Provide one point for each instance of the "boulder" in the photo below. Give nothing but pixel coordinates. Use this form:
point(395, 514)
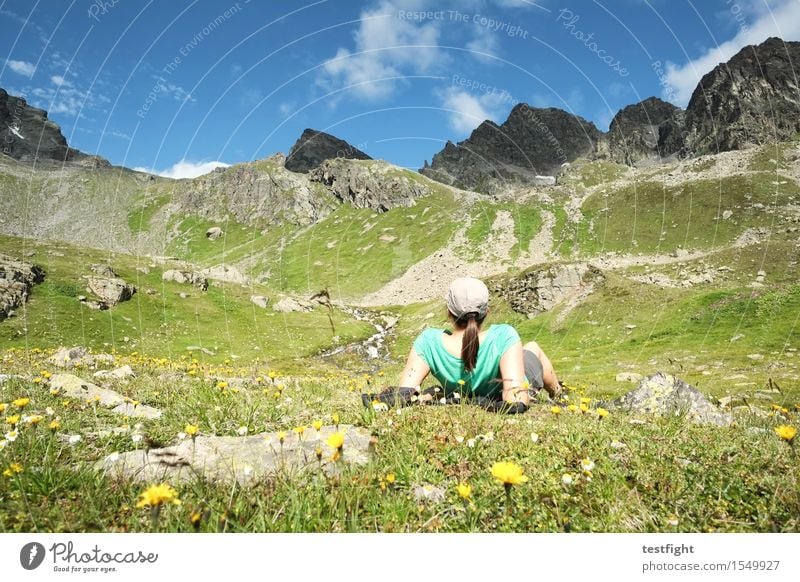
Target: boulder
point(245, 459)
point(259, 300)
point(74, 387)
point(665, 395)
point(214, 233)
point(110, 290)
point(628, 377)
point(17, 278)
point(186, 277)
point(290, 304)
point(103, 271)
point(119, 374)
point(226, 274)
point(543, 287)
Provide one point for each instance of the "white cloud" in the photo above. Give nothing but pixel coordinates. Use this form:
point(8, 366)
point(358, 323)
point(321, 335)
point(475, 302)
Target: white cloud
point(781, 19)
point(60, 81)
point(287, 107)
point(23, 68)
point(468, 110)
point(389, 47)
point(184, 169)
point(485, 45)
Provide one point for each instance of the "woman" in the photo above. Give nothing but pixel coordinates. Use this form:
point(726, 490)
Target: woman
point(491, 363)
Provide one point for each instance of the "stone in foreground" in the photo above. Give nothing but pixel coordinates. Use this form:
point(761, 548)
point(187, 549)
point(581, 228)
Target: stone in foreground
point(665, 395)
point(245, 460)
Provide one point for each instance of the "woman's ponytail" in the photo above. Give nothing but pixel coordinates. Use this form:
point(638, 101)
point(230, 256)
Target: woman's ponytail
point(470, 341)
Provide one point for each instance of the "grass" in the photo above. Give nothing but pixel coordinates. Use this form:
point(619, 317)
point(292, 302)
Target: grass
point(527, 223)
point(592, 174)
point(651, 217)
point(659, 476)
point(355, 251)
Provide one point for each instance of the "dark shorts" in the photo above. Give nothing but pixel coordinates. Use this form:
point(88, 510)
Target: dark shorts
point(533, 369)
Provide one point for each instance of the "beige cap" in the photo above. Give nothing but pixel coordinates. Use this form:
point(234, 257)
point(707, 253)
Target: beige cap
point(468, 295)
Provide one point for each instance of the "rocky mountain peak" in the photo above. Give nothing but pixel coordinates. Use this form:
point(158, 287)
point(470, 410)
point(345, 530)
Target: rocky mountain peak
point(532, 142)
point(648, 131)
point(752, 99)
point(26, 134)
point(314, 147)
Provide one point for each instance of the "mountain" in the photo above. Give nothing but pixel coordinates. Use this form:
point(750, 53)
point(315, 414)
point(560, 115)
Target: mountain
point(648, 131)
point(314, 147)
point(752, 99)
point(27, 134)
point(531, 142)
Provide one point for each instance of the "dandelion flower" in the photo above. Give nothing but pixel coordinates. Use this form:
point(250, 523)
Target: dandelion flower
point(508, 473)
point(281, 436)
point(555, 409)
point(786, 432)
point(390, 478)
point(572, 408)
point(299, 430)
point(191, 429)
point(464, 491)
point(336, 440)
point(21, 402)
point(13, 469)
point(601, 412)
point(157, 495)
point(335, 418)
point(317, 424)
point(12, 420)
point(221, 385)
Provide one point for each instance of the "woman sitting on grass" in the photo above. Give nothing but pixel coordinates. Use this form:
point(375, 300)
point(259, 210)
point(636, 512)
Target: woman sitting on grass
point(492, 364)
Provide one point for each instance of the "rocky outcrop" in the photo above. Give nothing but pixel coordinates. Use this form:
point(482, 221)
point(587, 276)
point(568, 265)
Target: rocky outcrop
point(752, 99)
point(542, 288)
point(226, 274)
point(665, 395)
point(186, 277)
point(376, 185)
point(214, 233)
point(532, 142)
point(292, 305)
point(649, 131)
point(246, 460)
point(16, 280)
point(78, 356)
point(27, 135)
point(314, 147)
point(260, 193)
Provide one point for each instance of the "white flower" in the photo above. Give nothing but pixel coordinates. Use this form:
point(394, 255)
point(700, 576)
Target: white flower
point(3, 444)
point(471, 443)
point(49, 411)
point(380, 406)
point(459, 439)
point(443, 401)
point(399, 411)
point(247, 470)
point(138, 426)
point(137, 438)
point(534, 437)
point(618, 445)
point(11, 436)
point(457, 395)
point(567, 479)
point(672, 520)
point(113, 457)
point(74, 439)
point(488, 437)
point(587, 465)
point(242, 431)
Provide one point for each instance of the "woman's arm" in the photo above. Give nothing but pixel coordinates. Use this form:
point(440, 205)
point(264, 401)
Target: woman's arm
point(512, 370)
point(415, 372)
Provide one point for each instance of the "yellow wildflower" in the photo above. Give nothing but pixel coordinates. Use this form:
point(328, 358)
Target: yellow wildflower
point(222, 384)
point(390, 478)
point(157, 495)
point(601, 412)
point(508, 473)
point(191, 430)
point(299, 430)
point(317, 424)
point(555, 409)
point(21, 402)
point(464, 491)
point(282, 436)
point(786, 432)
point(54, 424)
point(336, 440)
point(12, 420)
point(335, 418)
point(3, 407)
point(34, 419)
point(572, 408)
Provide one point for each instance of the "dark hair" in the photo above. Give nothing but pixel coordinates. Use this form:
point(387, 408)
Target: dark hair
point(470, 341)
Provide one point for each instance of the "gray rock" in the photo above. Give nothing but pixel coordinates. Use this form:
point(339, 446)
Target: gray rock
point(111, 290)
point(245, 460)
point(259, 300)
point(119, 374)
point(628, 377)
point(214, 233)
point(138, 411)
point(643, 132)
point(74, 387)
point(186, 277)
point(226, 274)
point(17, 278)
point(542, 288)
point(103, 271)
point(665, 395)
point(69, 357)
point(289, 305)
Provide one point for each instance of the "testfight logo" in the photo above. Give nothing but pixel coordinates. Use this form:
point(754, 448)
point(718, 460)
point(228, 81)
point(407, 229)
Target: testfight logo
point(31, 555)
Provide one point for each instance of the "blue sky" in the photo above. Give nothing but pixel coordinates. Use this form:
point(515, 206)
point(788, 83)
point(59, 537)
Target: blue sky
point(182, 86)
